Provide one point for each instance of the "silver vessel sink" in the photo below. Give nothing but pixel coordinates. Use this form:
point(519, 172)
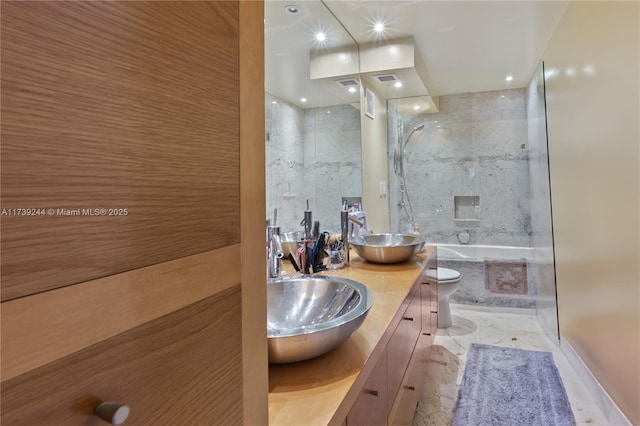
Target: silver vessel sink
point(290, 241)
point(309, 316)
point(387, 248)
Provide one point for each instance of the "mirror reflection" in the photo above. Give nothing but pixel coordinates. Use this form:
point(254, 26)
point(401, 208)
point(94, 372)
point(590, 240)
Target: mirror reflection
point(312, 125)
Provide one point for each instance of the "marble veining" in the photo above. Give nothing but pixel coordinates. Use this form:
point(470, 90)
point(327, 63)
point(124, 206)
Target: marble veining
point(470, 325)
point(475, 146)
point(311, 155)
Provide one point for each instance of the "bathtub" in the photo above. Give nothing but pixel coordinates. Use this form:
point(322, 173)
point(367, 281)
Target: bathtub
point(480, 253)
point(490, 275)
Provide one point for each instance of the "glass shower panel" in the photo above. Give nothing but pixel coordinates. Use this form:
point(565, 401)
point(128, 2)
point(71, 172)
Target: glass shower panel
point(540, 265)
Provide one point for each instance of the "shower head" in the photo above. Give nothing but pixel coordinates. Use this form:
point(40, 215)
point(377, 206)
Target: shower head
point(415, 129)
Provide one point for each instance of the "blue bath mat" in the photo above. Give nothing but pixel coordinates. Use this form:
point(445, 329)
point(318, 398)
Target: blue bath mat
point(511, 387)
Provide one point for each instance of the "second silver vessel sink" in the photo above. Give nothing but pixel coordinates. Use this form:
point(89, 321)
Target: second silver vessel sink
point(309, 316)
point(387, 248)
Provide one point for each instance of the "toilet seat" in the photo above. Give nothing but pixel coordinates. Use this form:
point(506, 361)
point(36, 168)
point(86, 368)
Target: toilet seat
point(445, 275)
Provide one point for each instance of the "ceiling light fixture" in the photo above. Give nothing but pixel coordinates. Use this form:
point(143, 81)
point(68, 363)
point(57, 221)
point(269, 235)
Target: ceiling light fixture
point(416, 107)
point(303, 99)
point(379, 27)
point(321, 37)
point(509, 78)
point(273, 102)
point(397, 84)
point(352, 89)
point(292, 9)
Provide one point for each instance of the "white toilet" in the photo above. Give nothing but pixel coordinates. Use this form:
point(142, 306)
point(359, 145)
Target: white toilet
point(448, 280)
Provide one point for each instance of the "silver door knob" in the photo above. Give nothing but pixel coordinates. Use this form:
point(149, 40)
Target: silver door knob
point(112, 412)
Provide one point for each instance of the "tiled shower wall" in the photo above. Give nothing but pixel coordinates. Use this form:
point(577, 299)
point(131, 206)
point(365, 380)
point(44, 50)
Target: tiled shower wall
point(467, 175)
point(475, 149)
point(311, 154)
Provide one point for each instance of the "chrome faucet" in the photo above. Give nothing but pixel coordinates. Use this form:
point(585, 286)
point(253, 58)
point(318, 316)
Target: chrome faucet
point(274, 252)
point(354, 222)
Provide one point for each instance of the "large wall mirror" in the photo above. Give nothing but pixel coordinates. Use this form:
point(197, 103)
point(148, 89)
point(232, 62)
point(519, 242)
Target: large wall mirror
point(313, 148)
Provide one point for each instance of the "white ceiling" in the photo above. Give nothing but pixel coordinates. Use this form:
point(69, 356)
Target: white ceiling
point(467, 46)
point(288, 41)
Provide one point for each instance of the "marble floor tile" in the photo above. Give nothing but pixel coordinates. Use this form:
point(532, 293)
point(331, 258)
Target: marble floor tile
point(499, 328)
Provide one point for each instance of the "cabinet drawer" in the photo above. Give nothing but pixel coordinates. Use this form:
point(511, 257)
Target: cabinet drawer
point(370, 409)
point(403, 341)
point(404, 406)
point(433, 325)
point(428, 294)
point(182, 368)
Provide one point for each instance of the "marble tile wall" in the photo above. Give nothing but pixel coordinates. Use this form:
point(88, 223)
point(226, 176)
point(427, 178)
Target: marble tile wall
point(284, 162)
point(475, 146)
point(332, 159)
point(311, 155)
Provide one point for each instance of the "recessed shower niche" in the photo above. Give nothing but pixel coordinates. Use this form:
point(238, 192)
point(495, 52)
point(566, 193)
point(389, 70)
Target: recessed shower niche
point(466, 208)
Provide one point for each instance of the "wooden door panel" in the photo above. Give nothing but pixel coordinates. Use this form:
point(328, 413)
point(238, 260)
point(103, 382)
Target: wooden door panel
point(183, 368)
point(116, 105)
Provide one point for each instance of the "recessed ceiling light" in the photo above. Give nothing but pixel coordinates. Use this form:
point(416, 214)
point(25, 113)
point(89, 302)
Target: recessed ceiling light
point(292, 9)
point(397, 84)
point(321, 36)
point(416, 107)
point(303, 99)
point(509, 78)
point(328, 112)
point(273, 102)
point(352, 89)
point(435, 121)
point(378, 27)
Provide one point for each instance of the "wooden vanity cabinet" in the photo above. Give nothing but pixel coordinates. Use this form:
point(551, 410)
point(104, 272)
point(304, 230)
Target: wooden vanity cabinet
point(402, 342)
point(429, 294)
point(404, 406)
point(370, 409)
point(398, 375)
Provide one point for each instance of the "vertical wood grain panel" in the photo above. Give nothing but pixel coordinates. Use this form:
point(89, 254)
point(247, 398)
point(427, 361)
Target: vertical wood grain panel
point(252, 207)
point(182, 369)
point(116, 105)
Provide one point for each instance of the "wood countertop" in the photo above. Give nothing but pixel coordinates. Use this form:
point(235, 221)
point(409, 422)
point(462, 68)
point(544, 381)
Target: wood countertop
point(322, 390)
